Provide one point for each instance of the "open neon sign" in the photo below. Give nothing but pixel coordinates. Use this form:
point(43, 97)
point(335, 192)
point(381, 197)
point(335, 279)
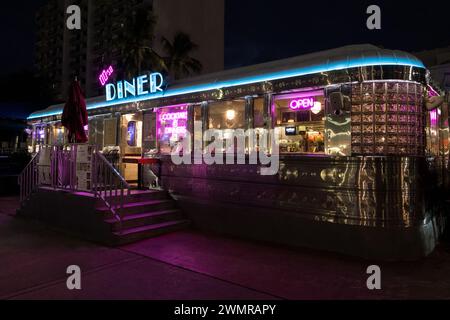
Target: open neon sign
point(301, 103)
point(104, 76)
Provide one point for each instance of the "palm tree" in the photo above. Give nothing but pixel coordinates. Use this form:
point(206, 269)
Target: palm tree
point(135, 43)
point(178, 59)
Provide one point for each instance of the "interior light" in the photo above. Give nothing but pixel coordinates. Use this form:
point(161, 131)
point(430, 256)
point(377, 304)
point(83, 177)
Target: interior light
point(317, 107)
point(129, 117)
point(231, 114)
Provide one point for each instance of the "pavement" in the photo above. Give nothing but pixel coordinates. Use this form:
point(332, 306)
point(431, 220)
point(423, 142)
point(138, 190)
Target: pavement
point(192, 265)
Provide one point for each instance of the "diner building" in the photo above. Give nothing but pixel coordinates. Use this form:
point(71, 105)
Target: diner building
point(359, 148)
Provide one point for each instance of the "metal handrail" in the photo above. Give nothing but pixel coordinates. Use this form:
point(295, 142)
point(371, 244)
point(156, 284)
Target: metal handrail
point(29, 178)
point(109, 185)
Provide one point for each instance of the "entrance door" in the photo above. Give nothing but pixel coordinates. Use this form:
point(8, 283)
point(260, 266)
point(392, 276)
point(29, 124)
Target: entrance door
point(131, 146)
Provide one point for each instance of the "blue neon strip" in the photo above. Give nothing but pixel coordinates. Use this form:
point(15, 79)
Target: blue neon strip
point(338, 65)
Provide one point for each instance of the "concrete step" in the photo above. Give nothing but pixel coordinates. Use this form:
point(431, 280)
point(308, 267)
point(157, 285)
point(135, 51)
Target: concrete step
point(143, 219)
point(142, 195)
point(153, 230)
point(139, 207)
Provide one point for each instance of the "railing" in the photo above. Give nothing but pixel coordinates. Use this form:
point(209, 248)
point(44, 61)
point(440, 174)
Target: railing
point(146, 167)
point(156, 183)
point(108, 184)
point(59, 172)
point(29, 178)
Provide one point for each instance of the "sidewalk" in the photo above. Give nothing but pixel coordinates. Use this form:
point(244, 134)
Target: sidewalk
point(298, 273)
point(190, 265)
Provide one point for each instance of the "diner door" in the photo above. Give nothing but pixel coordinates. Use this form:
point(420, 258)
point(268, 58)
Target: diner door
point(131, 147)
point(149, 173)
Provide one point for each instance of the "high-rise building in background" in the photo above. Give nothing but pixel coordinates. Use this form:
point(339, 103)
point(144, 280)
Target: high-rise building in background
point(62, 54)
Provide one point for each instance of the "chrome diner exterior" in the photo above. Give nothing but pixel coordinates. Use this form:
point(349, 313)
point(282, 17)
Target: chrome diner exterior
point(358, 149)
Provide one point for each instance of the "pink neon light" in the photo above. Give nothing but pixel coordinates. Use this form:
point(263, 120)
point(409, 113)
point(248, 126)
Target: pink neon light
point(433, 117)
point(298, 95)
point(173, 116)
point(104, 76)
point(432, 92)
point(172, 123)
point(302, 103)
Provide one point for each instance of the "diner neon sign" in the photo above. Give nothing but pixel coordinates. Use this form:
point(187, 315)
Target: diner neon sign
point(301, 103)
point(104, 76)
point(142, 85)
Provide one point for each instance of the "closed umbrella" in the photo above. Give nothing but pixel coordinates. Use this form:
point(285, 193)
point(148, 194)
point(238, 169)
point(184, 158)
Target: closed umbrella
point(74, 116)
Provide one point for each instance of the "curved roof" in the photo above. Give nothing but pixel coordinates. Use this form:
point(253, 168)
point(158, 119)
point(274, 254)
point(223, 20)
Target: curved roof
point(336, 59)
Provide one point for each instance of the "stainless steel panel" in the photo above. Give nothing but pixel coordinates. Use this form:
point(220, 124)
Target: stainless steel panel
point(338, 121)
point(364, 191)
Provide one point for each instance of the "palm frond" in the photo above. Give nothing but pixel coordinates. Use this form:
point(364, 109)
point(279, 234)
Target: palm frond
point(178, 55)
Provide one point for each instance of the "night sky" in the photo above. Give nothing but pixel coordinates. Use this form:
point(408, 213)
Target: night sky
point(17, 34)
point(265, 30)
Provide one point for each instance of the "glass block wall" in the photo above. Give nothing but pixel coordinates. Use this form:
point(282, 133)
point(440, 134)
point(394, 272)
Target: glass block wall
point(387, 118)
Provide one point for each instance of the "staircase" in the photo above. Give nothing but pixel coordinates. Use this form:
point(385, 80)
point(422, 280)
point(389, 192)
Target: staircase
point(144, 214)
point(112, 213)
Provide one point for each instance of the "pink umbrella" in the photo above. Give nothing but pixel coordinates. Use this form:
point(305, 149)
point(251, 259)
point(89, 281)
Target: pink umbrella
point(74, 116)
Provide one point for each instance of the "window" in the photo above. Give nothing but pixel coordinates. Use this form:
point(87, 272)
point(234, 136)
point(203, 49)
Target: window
point(447, 81)
point(149, 134)
point(58, 135)
point(258, 112)
point(110, 132)
point(226, 117)
point(131, 133)
point(39, 135)
point(95, 131)
point(259, 126)
point(300, 122)
point(198, 134)
point(171, 127)
point(387, 118)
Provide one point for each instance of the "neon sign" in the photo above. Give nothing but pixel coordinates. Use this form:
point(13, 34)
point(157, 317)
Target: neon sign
point(433, 117)
point(302, 103)
point(139, 86)
point(104, 76)
point(173, 116)
point(174, 122)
